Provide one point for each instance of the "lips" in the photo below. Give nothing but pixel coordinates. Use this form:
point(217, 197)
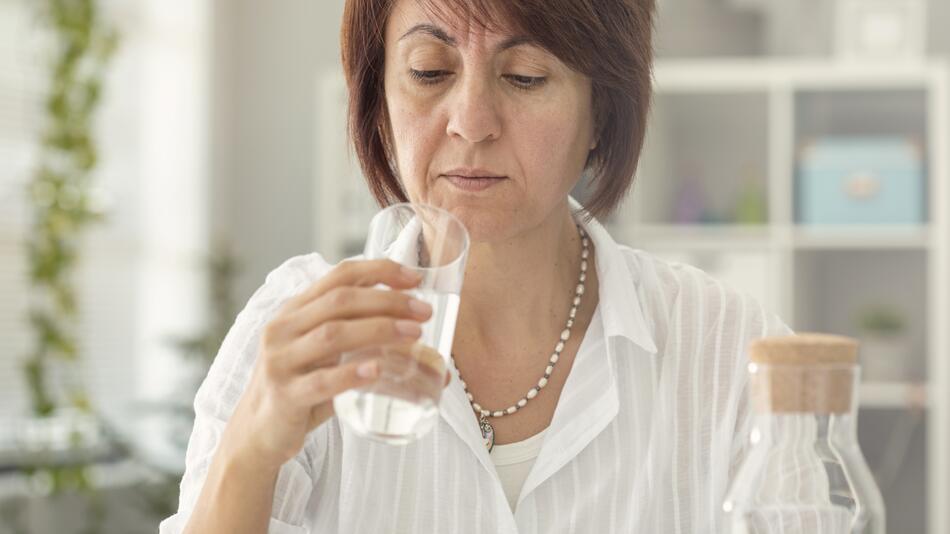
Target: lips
point(473, 173)
point(473, 179)
point(472, 184)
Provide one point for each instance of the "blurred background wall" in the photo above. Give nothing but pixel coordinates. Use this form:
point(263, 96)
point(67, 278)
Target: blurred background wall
point(267, 65)
point(219, 125)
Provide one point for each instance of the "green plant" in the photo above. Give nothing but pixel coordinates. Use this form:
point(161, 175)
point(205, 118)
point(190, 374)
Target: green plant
point(881, 320)
point(63, 207)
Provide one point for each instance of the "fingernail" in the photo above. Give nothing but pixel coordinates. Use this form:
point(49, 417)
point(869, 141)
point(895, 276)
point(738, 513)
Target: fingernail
point(420, 307)
point(409, 329)
point(411, 274)
point(367, 369)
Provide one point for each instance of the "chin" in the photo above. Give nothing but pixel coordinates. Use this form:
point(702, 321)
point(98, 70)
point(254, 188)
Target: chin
point(482, 223)
point(486, 219)
point(485, 226)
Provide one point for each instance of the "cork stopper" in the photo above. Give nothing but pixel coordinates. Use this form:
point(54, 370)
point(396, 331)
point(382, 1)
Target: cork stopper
point(804, 349)
point(808, 372)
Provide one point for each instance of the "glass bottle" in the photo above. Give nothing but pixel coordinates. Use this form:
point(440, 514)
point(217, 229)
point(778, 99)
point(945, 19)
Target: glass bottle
point(804, 472)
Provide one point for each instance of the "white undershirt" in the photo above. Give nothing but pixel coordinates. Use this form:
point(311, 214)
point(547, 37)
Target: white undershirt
point(513, 462)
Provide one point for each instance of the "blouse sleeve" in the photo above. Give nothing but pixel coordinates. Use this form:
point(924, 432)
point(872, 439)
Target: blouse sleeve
point(217, 398)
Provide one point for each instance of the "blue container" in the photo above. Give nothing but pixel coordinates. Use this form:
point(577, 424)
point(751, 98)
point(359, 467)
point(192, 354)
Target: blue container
point(861, 180)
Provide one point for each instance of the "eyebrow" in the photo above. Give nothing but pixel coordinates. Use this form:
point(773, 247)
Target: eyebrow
point(440, 34)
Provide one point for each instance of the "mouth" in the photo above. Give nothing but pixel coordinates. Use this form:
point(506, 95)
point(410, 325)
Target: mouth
point(474, 183)
point(473, 179)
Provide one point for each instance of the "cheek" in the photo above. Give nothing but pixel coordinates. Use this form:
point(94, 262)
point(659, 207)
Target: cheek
point(413, 131)
point(552, 143)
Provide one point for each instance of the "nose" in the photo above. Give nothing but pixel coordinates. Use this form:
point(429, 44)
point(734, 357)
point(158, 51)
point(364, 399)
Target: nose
point(473, 113)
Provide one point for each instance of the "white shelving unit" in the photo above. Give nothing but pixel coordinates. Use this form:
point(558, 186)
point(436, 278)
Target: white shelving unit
point(780, 261)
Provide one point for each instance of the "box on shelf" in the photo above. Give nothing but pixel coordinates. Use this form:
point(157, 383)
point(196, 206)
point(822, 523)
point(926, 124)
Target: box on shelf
point(861, 180)
point(881, 29)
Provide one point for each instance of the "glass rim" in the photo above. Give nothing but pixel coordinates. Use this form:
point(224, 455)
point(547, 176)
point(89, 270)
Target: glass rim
point(467, 239)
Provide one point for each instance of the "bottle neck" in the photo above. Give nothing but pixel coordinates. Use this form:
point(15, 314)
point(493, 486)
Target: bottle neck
point(806, 429)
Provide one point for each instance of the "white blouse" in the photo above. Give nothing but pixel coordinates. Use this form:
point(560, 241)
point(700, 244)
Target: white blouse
point(649, 429)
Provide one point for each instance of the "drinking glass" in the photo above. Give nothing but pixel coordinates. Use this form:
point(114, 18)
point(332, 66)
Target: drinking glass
point(402, 405)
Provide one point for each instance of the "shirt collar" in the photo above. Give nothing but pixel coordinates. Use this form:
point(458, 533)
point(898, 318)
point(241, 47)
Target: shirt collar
point(619, 301)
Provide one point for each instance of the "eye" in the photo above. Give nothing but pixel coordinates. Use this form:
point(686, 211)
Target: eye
point(428, 77)
point(525, 82)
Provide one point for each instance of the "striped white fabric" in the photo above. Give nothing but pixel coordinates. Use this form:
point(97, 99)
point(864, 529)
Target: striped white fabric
point(649, 429)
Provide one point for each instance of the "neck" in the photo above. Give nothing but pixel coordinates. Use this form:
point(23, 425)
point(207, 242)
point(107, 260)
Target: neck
point(518, 290)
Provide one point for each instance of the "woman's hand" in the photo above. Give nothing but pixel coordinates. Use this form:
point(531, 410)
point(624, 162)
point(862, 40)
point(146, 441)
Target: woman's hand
point(296, 375)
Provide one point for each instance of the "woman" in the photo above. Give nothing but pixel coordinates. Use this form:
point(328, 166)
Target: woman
point(492, 110)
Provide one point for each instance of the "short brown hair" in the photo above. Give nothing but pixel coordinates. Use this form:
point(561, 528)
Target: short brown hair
point(610, 41)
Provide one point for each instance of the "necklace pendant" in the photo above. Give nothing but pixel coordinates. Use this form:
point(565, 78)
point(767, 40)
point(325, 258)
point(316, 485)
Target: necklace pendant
point(488, 433)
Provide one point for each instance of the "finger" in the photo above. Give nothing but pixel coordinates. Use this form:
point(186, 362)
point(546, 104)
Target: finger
point(323, 344)
point(348, 302)
point(364, 273)
point(321, 385)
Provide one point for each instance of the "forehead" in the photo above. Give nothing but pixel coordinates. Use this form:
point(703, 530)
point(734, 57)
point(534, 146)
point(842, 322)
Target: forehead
point(455, 22)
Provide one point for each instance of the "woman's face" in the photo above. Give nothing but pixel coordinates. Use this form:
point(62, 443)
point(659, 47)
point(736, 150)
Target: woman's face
point(463, 101)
